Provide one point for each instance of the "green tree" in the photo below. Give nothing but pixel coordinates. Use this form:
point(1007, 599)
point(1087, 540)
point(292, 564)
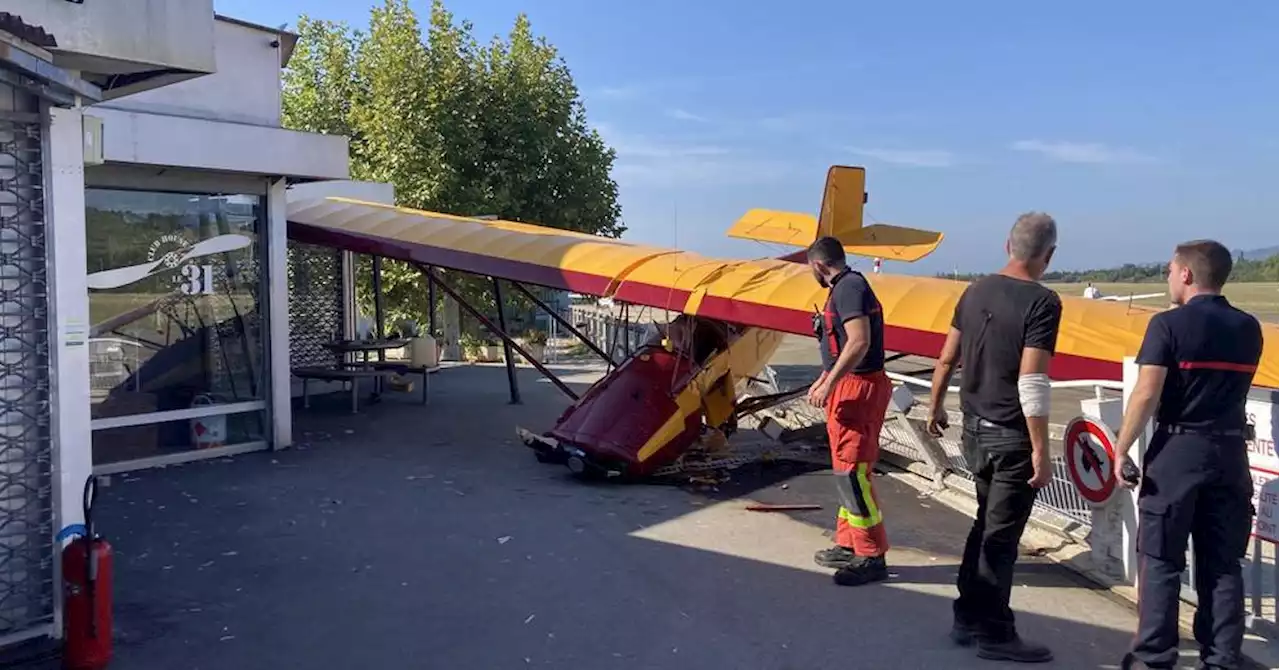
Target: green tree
point(455, 127)
point(319, 85)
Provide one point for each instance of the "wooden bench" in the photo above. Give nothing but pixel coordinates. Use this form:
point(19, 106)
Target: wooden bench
point(351, 375)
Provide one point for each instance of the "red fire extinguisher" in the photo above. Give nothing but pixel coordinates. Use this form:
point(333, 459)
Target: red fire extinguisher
point(86, 579)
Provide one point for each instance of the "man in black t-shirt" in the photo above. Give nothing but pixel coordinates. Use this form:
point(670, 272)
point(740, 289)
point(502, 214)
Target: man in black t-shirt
point(854, 391)
point(1003, 331)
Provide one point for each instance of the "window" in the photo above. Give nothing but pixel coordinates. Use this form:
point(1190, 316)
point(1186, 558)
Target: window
point(176, 303)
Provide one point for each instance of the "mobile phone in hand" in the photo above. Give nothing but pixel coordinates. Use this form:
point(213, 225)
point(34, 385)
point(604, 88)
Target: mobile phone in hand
point(1129, 472)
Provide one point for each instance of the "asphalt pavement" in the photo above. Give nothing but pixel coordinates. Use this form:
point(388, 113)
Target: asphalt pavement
point(411, 536)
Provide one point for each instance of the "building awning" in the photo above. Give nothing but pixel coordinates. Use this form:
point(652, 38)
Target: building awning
point(141, 138)
point(25, 63)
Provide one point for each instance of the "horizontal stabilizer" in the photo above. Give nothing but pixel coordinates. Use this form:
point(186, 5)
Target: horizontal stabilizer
point(893, 243)
point(768, 225)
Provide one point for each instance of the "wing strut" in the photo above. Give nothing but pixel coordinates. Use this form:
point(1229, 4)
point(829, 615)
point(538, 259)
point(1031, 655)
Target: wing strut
point(573, 330)
point(497, 330)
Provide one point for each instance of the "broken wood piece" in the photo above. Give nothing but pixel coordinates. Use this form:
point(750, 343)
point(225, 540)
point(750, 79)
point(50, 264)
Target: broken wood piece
point(763, 507)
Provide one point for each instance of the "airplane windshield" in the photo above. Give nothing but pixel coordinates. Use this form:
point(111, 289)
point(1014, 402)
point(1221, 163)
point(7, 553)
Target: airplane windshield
point(695, 338)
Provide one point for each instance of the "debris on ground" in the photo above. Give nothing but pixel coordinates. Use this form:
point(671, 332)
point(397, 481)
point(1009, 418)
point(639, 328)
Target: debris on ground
point(762, 507)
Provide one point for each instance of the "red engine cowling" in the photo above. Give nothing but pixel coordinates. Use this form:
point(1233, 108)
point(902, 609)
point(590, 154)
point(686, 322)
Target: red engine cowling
point(86, 614)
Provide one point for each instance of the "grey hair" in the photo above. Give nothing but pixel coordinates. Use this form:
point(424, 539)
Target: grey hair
point(1032, 236)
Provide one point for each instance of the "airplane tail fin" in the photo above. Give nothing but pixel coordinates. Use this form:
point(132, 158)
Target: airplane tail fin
point(840, 217)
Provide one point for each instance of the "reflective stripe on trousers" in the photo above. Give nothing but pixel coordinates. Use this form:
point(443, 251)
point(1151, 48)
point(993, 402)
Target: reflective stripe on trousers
point(858, 507)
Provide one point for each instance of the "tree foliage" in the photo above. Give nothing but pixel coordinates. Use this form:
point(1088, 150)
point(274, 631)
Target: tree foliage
point(456, 126)
point(1242, 270)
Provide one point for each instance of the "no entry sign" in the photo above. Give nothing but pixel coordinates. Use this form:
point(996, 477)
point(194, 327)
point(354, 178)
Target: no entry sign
point(1089, 450)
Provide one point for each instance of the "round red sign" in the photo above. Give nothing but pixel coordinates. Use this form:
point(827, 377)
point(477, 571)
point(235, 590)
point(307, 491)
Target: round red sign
point(1088, 447)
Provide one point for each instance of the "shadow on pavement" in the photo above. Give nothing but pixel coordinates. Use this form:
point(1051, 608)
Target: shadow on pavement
point(428, 537)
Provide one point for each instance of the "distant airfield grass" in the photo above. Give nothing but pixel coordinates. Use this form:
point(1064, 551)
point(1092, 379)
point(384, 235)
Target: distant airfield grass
point(1261, 299)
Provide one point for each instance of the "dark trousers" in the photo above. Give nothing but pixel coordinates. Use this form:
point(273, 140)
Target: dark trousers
point(1000, 460)
point(1199, 487)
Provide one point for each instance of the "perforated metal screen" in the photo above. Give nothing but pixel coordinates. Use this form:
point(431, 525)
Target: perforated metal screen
point(26, 482)
point(315, 304)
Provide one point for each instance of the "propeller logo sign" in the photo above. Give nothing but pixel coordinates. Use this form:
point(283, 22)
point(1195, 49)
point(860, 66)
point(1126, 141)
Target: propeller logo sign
point(172, 252)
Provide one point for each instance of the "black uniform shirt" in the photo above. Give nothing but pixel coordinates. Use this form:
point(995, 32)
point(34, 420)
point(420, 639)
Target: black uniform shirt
point(851, 297)
point(1211, 350)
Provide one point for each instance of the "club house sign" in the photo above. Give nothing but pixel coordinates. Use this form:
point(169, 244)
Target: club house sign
point(173, 252)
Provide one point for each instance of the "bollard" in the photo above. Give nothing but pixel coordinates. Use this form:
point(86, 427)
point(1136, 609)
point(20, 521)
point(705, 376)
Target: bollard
point(1128, 498)
point(1106, 530)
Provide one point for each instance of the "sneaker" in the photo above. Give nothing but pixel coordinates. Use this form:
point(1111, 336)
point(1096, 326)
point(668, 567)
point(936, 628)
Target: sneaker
point(835, 557)
point(1015, 649)
point(863, 570)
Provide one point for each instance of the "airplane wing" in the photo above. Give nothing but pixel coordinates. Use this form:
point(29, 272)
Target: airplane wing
point(1094, 338)
point(1126, 298)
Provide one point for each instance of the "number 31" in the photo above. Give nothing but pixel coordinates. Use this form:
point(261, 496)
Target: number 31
point(197, 279)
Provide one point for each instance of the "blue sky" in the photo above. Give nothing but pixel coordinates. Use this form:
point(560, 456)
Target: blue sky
point(1137, 124)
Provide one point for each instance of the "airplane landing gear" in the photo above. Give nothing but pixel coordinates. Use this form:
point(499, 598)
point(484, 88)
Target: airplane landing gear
point(547, 450)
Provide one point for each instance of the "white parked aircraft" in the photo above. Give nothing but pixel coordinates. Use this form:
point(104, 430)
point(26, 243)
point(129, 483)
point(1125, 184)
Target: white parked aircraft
point(1091, 292)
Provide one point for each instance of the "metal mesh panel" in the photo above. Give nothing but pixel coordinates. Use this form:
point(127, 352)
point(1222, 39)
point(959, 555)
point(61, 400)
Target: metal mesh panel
point(26, 494)
point(315, 304)
point(1060, 496)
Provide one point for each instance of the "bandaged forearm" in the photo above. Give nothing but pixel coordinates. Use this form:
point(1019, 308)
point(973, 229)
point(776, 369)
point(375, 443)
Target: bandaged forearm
point(1033, 393)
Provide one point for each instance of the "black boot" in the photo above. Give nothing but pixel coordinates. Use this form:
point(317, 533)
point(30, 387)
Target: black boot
point(963, 634)
point(1131, 662)
point(835, 557)
point(863, 570)
point(1013, 649)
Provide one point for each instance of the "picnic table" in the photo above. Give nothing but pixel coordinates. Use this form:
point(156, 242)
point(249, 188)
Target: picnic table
point(366, 347)
point(352, 372)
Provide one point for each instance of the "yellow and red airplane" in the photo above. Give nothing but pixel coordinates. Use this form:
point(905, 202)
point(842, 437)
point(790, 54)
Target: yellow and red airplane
point(734, 313)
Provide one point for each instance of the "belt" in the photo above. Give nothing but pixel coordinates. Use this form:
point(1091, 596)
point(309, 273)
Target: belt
point(980, 422)
point(1175, 429)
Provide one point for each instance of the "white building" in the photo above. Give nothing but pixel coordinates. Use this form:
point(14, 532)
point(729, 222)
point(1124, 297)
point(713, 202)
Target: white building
point(145, 276)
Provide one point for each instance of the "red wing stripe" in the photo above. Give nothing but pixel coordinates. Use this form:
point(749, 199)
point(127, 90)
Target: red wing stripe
point(1217, 365)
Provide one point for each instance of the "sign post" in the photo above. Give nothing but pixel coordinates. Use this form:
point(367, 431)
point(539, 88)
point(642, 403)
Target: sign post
point(1129, 505)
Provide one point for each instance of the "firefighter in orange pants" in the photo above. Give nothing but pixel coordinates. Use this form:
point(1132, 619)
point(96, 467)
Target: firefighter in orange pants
point(854, 391)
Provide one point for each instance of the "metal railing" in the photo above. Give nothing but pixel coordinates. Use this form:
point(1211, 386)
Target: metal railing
point(1060, 497)
point(608, 329)
point(1260, 586)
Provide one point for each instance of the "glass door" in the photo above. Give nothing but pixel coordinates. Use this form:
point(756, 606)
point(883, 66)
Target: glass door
point(177, 342)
